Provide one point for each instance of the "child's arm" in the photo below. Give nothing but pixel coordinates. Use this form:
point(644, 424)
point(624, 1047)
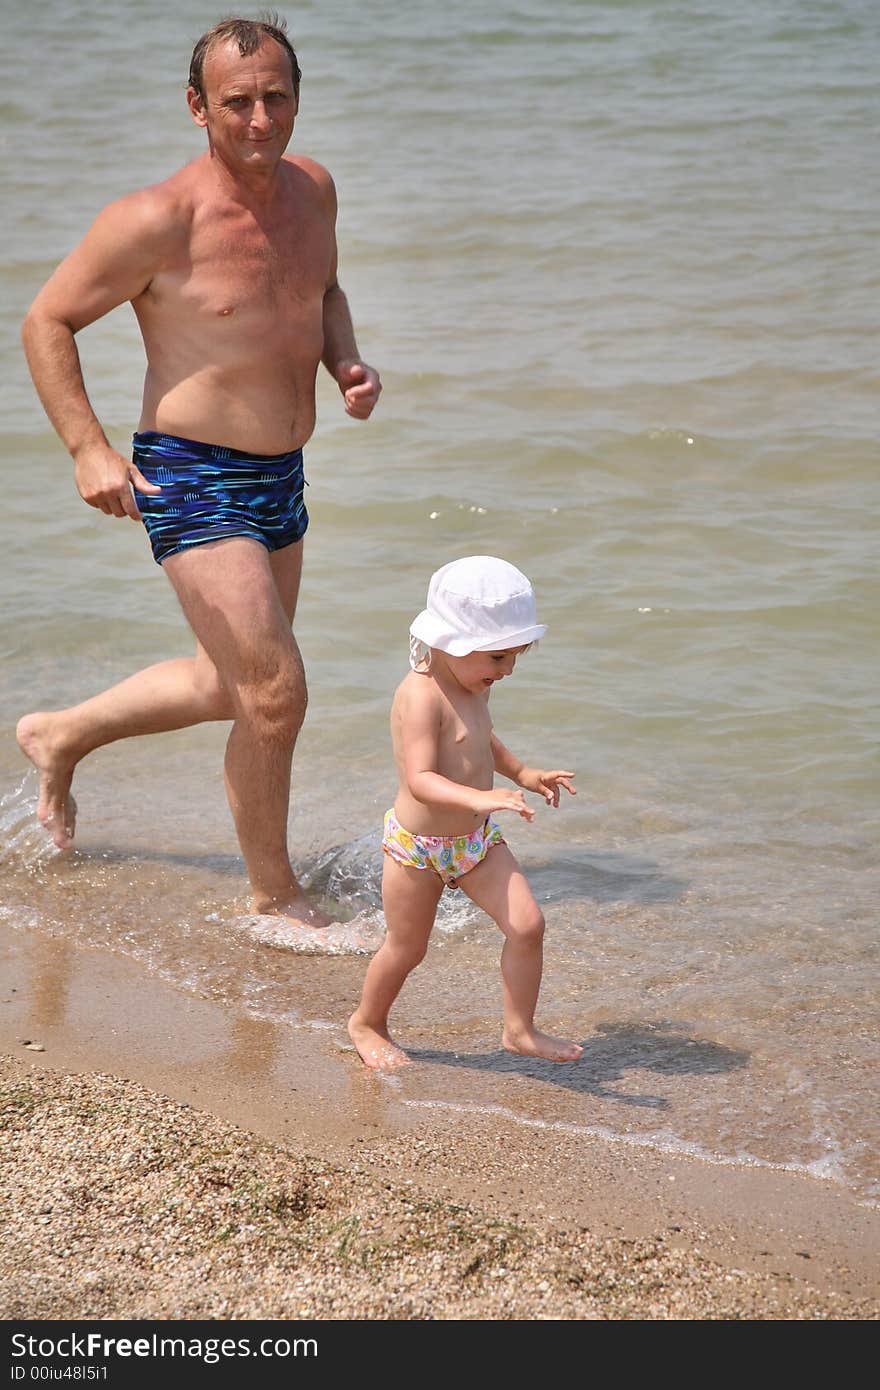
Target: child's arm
point(533, 779)
point(420, 739)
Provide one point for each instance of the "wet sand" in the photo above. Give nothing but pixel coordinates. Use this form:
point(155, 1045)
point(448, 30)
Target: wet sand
point(167, 1157)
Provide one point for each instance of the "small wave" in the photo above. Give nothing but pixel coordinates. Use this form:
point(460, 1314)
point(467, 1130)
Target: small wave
point(827, 1168)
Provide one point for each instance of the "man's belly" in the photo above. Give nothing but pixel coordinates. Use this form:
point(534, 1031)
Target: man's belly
point(260, 411)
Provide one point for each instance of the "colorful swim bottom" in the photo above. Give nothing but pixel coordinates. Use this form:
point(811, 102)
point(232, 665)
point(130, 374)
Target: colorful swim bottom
point(210, 493)
point(450, 856)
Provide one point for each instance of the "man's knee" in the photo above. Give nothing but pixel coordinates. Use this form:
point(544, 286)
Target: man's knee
point(275, 705)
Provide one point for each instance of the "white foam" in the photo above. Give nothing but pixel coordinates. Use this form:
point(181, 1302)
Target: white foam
point(824, 1169)
point(360, 937)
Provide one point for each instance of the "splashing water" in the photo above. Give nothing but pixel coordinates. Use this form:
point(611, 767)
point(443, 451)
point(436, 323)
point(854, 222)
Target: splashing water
point(22, 838)
point(349, 874)
point(360, 936)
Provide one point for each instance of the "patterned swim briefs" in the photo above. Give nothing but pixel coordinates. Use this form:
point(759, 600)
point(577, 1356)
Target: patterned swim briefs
point(450, 856)
point(210, 493)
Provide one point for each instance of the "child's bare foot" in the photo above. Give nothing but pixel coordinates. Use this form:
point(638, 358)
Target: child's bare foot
point(535, 1044)
point(375, 1047)
point(56, 807)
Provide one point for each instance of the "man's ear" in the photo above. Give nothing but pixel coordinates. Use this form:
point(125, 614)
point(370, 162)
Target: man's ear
point(196, 104)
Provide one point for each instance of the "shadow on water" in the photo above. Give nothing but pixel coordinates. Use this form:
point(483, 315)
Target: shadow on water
point(349, 873)
point(605, 876)
point(609, 1054)
point(230, 865)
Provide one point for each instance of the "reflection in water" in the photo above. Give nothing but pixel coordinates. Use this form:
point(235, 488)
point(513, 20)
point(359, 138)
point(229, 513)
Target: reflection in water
point(52, 964)
point(254, 1046)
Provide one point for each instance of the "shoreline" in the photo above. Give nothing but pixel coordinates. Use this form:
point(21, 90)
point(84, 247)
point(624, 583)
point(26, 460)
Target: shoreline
point(594, 1227)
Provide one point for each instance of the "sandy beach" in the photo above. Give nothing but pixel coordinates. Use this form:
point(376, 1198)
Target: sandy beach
point(610, 261)
point(162, 1160)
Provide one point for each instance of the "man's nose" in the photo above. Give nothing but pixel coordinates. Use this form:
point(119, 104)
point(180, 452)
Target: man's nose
point(260, 116)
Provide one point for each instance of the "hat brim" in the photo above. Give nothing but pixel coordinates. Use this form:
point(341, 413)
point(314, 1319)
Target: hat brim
point(433, 632)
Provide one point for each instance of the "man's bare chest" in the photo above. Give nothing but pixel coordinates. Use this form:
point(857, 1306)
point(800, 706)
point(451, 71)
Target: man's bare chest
point(231, 265)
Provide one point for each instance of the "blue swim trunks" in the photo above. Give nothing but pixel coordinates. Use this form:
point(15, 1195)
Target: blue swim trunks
point(210, 493)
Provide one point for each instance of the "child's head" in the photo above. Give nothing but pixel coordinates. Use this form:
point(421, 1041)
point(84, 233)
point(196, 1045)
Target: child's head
point(478, 604)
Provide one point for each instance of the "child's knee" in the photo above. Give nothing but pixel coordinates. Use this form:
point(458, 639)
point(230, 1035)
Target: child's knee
point(527, 929)
point(408, 951)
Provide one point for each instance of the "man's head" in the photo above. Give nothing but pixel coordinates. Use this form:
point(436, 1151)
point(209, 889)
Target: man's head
point(249, 35)
point(243, 90)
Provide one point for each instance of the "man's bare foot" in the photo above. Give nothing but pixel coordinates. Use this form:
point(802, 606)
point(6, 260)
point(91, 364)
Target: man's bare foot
point(297, 910)
point(375, 1047)
point(535, 1044)
point(56, 807)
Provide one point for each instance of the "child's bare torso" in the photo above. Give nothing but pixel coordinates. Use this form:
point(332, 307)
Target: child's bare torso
point(463, 729)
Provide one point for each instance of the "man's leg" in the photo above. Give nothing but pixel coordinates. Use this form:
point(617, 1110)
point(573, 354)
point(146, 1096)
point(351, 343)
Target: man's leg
point(170, 695)
point(231, 593)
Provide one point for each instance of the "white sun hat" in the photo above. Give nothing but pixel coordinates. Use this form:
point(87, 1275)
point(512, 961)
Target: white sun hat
point(478, 604)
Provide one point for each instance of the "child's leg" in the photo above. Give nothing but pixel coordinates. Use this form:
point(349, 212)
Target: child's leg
point(499, 886)
point(410, 898)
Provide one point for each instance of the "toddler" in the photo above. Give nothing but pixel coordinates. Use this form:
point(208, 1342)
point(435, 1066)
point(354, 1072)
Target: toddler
point(440, 833)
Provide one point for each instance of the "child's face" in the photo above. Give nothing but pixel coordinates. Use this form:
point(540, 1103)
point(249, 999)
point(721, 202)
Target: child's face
point(478, 671)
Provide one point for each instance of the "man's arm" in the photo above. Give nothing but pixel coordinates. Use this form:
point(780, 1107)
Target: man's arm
point(113, 263)
point(359, 383)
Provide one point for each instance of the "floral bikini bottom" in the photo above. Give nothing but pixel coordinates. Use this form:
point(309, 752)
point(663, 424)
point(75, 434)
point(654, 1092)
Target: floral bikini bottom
point(450, 856)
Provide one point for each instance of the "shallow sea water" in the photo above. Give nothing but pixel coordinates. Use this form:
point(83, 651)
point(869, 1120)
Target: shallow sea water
point(617, 266)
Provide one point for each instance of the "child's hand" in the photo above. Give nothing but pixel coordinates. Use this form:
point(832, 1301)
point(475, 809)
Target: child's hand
point(501, 799)
point(546, 784)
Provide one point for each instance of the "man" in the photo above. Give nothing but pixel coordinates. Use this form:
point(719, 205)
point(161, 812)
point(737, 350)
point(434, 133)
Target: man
point(230, 266)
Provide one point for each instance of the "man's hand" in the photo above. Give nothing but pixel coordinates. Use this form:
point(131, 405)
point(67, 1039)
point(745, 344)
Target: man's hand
point(360, 386)
point(546, 784)
point(104, 479)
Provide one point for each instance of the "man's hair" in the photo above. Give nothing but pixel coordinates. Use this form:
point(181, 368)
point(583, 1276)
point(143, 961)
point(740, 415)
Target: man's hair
point(249, 34)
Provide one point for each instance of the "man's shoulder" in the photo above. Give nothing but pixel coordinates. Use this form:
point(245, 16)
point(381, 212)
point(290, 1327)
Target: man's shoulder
point(310, 174)
point(158, 209)
point(310, 167)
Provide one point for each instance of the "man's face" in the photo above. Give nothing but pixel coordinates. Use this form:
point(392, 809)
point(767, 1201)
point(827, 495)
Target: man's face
point(249, 105)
